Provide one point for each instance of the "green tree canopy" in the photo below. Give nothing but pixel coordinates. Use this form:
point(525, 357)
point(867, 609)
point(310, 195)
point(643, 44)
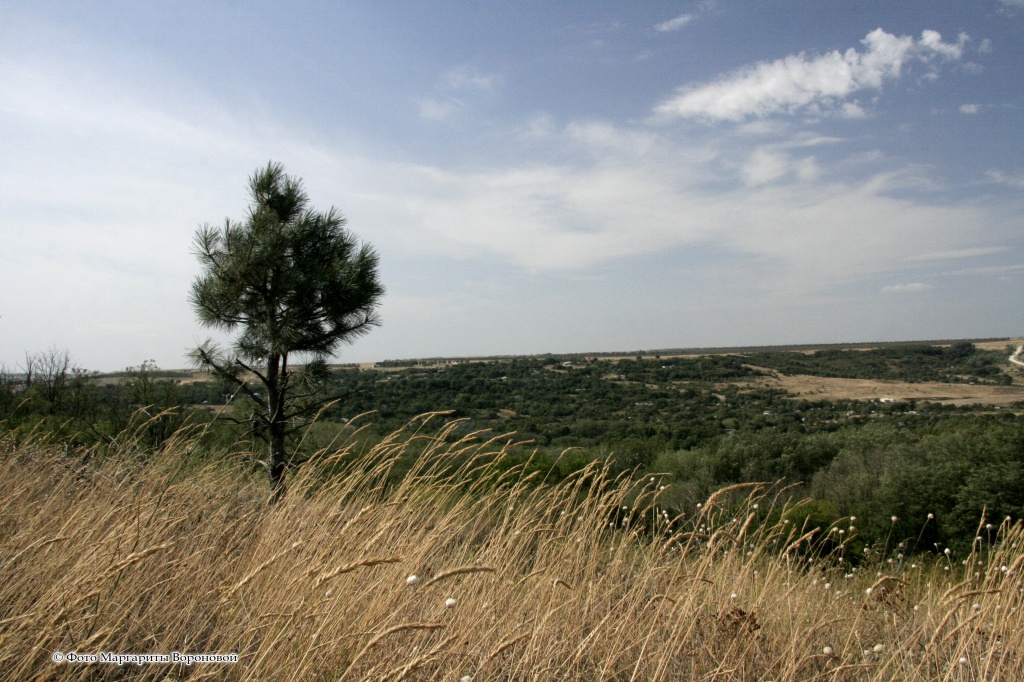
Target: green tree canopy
point(292, 281)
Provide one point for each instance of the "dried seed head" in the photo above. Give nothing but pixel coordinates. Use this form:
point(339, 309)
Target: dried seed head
point(449, 603)
point(412, 580)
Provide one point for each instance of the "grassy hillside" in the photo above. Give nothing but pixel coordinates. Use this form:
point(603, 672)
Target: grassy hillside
point(465, 569)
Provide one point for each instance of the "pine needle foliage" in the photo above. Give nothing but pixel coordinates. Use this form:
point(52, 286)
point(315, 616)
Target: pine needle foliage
point(293, 281)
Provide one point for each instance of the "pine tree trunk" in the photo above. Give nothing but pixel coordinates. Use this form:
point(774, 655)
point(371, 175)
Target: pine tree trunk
point(276, 423)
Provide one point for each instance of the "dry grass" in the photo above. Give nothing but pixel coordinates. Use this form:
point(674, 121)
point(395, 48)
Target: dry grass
point(547, 582)
point(831, 388)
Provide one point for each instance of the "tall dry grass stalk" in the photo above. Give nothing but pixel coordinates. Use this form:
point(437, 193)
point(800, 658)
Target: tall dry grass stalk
point(463, 570)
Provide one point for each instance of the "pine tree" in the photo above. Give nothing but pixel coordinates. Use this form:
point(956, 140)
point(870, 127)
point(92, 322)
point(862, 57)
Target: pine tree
point(297, 285)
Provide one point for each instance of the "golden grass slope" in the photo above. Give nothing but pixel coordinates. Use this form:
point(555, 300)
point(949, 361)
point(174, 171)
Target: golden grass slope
point(465, 572)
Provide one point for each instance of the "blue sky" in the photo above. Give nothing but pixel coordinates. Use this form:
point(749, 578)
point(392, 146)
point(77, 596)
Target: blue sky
point(536, 176)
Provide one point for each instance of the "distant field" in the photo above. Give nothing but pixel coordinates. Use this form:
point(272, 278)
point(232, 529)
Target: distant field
point(820, 388)
point(828, 388)
point(983, 344)
point(799, 385)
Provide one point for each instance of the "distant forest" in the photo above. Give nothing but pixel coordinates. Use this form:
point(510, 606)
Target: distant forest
point(697, 422)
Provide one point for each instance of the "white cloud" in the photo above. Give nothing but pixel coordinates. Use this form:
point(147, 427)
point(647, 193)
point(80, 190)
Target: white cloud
point(796, 233)
point(969, 108)
point(455, 90)
point(432, 109)
point(675, 24)
point(970, 252)
point(469, 78)
point(599, 136)
point(931, 44)
point(811, 83)
point(990, 270)
point(769, 164)
point(852, 110)
point(764, 166)
point(1009, 180)
point(915, 288)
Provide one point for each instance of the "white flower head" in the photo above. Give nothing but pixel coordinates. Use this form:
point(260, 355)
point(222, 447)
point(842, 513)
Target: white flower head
point(449, 603)
point(412, 580)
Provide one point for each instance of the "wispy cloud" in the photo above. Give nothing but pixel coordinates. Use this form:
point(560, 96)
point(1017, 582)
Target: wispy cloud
point(683, 20)
point(675, 24)
point(815, 84)
point(1008, 179)
point(434, 109)
point(456, 89)
point(467, 77)
point(915, 288)
point(767, 164)
point(972, 252)
point(640, 193)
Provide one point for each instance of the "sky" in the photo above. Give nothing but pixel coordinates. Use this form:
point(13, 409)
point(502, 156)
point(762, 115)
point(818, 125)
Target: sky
point(536, 176)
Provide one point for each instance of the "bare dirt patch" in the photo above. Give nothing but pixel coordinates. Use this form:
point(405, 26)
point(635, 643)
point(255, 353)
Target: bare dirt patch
point(828, 388)
point(998, 345)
